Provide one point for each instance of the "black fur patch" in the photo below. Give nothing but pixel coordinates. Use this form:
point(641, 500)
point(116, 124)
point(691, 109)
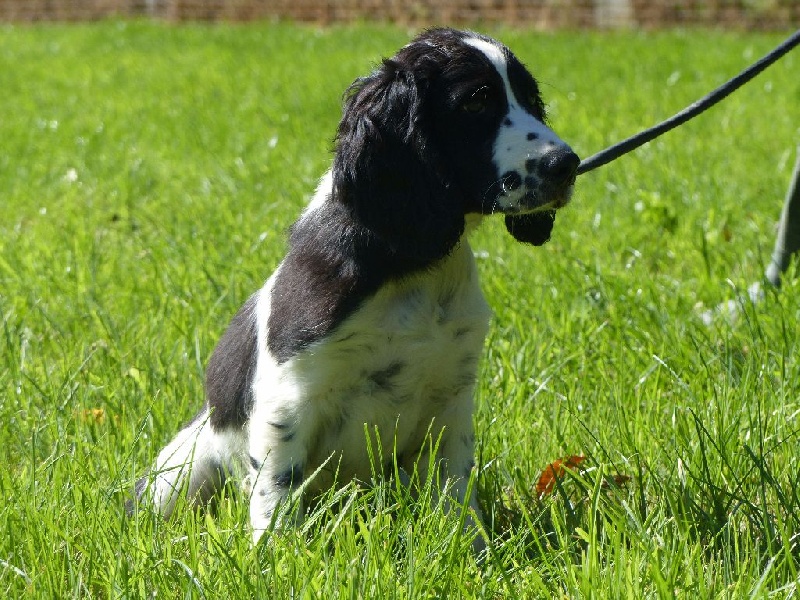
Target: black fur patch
point(332, 266)
point(230, 371)
point(534, 228)
point(410, 162)
point(383, 378)
point(525, 88)
point(292, 477)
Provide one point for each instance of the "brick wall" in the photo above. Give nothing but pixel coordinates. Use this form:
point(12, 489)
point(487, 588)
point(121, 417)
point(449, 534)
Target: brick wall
point(762, 14)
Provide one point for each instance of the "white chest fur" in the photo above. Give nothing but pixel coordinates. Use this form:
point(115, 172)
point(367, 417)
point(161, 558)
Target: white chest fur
point(406, 358)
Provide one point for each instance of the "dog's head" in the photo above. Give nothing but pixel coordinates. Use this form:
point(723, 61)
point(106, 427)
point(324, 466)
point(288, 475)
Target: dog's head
point(452, 124)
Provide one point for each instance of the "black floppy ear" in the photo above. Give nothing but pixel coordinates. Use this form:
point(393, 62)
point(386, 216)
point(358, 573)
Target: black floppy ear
point(386, 167)
point(533, 228)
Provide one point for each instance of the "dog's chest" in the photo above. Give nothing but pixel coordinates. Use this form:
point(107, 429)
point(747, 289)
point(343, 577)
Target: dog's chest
point(407, 356)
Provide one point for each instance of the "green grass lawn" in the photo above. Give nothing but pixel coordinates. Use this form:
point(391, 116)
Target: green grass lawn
point(148, 175)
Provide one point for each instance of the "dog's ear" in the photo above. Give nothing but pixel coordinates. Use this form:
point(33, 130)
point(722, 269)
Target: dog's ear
point(386, 167)
point(534, 228)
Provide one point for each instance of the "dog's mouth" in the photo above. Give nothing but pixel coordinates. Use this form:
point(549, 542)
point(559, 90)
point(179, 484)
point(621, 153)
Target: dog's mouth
point(533, 195)
point(546, 186)
point(538, 196)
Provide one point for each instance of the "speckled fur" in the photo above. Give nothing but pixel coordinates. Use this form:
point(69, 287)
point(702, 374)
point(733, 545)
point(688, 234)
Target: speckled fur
point(375, 321)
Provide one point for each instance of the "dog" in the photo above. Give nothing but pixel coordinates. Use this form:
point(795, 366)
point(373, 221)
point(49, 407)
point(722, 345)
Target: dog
point(365, 340)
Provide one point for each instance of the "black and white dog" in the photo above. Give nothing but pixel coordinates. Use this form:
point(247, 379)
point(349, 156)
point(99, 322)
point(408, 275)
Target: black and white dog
point(374, 321)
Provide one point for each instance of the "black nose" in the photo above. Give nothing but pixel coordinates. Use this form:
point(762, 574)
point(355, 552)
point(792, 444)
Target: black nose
point(559, 165)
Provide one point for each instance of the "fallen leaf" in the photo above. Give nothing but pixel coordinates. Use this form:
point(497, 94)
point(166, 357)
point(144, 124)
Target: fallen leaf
point(554, 471)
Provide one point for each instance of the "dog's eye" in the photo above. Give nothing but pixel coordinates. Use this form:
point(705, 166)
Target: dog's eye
point(477, 102)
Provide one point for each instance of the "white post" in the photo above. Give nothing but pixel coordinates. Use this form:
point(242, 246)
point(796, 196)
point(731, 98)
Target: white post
point(613, 13)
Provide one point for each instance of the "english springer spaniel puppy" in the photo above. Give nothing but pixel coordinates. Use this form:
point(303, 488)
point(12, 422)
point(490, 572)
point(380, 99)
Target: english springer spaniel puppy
point(368, 334)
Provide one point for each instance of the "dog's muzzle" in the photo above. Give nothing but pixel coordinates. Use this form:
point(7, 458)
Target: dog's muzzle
point(546, 184)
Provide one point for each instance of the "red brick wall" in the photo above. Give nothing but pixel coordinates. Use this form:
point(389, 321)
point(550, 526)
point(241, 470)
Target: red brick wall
point(763, 14)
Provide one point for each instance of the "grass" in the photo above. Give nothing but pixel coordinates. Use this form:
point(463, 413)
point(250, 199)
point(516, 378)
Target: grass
point(148, 174)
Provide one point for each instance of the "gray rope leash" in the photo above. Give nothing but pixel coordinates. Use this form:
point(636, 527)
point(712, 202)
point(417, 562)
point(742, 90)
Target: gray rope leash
point(691, 111)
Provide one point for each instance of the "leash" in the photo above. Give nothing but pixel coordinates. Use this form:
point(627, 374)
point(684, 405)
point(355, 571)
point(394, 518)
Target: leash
point(614, 152)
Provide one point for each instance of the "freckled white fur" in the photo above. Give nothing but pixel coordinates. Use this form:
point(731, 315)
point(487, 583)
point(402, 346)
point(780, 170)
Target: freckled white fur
point(401, 366)
point(429, 327)
point(193, 460)
point(512, 146)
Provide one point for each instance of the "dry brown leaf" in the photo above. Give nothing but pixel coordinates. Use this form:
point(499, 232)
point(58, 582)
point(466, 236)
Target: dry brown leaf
point(554, 471)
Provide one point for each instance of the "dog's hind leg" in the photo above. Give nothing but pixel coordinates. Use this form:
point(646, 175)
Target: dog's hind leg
point(196, 461)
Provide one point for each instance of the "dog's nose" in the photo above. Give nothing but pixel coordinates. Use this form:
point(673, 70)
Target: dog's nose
point(559, 165)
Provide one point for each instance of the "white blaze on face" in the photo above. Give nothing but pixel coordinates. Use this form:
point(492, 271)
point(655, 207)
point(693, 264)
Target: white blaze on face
point(521, 137)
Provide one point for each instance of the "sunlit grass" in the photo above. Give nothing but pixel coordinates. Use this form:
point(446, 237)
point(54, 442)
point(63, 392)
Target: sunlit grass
point(148, 174)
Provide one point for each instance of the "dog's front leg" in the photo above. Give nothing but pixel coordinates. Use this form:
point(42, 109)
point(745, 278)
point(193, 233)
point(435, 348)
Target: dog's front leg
point(277, 469)
point(457, 463)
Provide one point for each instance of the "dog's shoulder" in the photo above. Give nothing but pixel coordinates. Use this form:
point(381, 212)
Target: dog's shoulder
point(334, 264)
point(413, 329)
